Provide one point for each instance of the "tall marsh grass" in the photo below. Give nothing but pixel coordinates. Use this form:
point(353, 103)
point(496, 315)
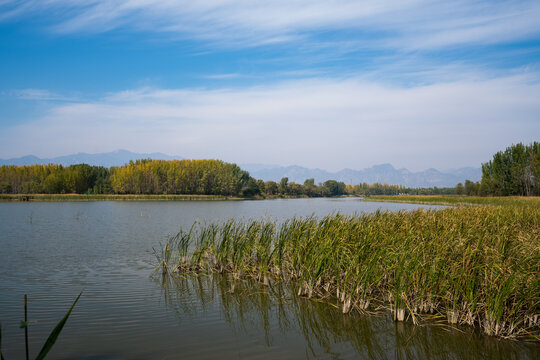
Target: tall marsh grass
point(473, 265)
point(459, 199)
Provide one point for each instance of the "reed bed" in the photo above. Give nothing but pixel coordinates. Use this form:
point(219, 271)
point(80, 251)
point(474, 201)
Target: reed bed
point(458, 200)
point(471, 265)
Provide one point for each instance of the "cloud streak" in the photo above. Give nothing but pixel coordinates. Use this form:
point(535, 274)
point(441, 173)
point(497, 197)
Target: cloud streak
point(328, 123)
point(39, 95)
point(397, 24)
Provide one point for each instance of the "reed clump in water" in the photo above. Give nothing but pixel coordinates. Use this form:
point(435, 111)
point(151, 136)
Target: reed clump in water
point(474, 265)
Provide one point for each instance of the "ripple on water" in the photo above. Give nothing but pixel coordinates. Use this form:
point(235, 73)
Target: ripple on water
point(105, 249)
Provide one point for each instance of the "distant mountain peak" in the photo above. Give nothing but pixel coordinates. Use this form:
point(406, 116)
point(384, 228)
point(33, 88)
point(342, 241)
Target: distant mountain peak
point(114, 158)
point(383, 166)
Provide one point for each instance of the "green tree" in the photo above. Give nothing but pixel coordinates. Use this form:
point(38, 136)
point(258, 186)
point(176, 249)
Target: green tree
point(334, 188)
point(514, 171)
point(283, 186)
point(5, 187)
point(460, 189)
point(271, 187)
point(472, 188)
point(251, 188)
point(261, 185)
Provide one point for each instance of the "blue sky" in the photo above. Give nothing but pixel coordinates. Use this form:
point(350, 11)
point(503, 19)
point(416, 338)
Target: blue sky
point(328, 84)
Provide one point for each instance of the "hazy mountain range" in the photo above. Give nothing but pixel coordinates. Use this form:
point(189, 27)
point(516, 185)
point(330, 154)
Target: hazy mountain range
point(114, 158)
point(384, 173)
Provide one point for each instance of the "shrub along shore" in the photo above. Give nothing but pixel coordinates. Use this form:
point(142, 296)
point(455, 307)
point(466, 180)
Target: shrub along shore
point(475, 265)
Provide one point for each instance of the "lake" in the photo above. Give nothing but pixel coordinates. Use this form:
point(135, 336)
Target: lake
point(53, 250)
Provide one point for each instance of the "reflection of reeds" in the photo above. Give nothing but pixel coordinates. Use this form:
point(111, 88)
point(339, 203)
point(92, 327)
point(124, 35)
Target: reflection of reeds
point(476, 265)
point(275, 311)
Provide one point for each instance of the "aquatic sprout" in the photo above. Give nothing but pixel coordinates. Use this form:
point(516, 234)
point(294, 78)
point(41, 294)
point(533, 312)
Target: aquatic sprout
point(53, 336)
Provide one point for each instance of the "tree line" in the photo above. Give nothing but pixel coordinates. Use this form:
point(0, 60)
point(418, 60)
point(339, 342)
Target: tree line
point(197, 177)
point(54, 179)
point(512, 172)
point(365, 189)
point(208, 177)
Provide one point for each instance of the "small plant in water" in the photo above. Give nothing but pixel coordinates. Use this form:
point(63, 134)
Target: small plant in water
point(53, 336)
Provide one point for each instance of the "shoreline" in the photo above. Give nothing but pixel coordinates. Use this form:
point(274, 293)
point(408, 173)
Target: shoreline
point(111, 197)
point(446, 200)
point(146, 197)
point(456, 200)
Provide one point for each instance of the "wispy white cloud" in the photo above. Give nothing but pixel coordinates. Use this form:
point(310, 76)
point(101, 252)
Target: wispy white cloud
point(39, 95)
point(327, 123)
point(414, 24)
point(222, 76)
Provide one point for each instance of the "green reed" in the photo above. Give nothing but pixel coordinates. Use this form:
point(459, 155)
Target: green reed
point(472, 265)
point(51, 339)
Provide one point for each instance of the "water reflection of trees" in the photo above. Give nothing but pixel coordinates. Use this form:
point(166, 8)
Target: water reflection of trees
point(248, 306)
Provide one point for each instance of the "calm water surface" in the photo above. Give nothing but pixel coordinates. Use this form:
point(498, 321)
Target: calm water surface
point(53, 250)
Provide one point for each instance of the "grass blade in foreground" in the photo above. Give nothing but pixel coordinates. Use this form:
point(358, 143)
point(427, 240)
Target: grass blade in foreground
point(1, 356)
point(51, 340)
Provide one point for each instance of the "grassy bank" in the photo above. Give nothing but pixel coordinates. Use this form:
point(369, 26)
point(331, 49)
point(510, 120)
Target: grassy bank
point(476, 265)
point(459, 200)
point(102, 197)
